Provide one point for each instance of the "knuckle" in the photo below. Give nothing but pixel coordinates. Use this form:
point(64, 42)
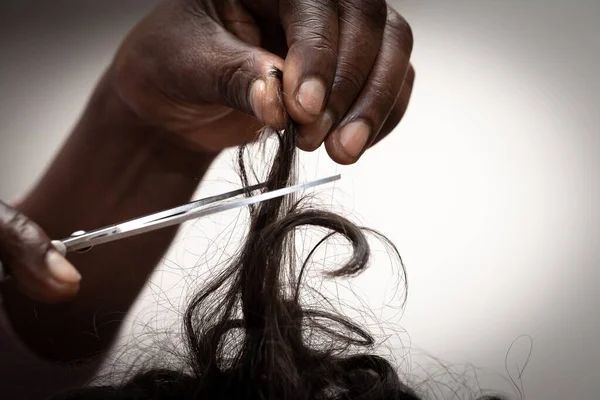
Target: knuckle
point(350, 78)
point(18, 223)
point(24, 229)
point(385, 92)
point(16, 227)
point(401, 30)
point(21, 240)
point(7, 214)
point(195, 8)
point(234, 82)
point(322, 6)
point(374, 11)
point(318, 40)
point(313, 8)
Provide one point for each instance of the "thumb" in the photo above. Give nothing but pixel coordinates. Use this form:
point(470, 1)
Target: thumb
point(32, 262)
point(179, 61)
point(247, 78)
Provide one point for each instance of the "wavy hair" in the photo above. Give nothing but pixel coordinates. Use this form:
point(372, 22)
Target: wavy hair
point(248, 336)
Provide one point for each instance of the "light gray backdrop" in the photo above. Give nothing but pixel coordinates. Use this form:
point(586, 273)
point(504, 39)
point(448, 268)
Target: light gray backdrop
point(489, 187)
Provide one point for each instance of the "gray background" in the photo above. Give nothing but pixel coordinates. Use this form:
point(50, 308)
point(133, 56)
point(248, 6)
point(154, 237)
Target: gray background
point(489, 187)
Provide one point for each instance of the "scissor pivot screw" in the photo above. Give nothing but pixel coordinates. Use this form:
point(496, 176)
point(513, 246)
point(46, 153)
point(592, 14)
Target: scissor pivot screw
point(81, 233)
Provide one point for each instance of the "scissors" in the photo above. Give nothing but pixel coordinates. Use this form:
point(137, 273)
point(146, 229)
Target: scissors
point(82, 241)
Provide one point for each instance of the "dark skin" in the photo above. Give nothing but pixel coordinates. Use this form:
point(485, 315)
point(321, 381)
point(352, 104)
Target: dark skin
point(193, 78)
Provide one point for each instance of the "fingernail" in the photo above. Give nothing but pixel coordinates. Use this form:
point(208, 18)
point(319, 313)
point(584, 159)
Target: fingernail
point(257, 95)
point(61, 269)
point(353, 137)
point(311, 96)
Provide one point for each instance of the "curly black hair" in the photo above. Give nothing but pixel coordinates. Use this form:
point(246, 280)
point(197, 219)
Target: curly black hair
point(247, 333)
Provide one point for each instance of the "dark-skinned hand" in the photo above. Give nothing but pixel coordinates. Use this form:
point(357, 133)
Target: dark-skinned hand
point(203, 71)
point(27, 254)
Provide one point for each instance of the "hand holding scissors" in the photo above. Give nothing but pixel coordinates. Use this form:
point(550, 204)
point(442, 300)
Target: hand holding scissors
point(38, 265)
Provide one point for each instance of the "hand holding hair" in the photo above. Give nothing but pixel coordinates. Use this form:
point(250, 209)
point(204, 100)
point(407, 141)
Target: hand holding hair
point(202, 70)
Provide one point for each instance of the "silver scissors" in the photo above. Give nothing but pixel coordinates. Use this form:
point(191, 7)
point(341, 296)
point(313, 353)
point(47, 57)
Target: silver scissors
point(83, 241)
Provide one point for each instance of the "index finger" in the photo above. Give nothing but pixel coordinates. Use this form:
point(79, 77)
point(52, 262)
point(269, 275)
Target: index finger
point(311, 29)
point(311, 32)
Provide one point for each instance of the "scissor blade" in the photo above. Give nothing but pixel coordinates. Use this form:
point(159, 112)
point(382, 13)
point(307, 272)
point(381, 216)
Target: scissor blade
point(189, 206)
point(182, 214)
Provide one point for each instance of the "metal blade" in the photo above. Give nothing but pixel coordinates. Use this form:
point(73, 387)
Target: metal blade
point(178, 215)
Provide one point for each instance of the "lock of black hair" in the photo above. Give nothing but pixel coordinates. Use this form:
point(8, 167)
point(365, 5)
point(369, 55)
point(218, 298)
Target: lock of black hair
point(246, 330)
